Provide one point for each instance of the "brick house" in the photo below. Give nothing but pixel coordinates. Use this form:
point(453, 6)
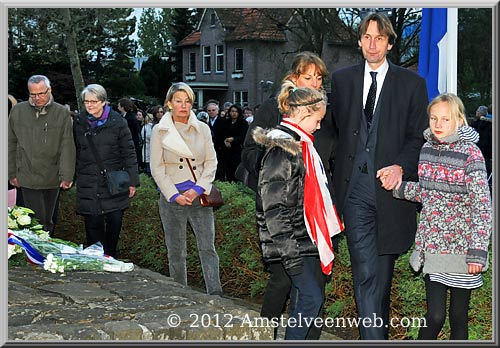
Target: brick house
point(240, 55)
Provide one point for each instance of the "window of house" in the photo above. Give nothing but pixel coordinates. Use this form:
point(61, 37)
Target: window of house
point(207, 59)
point(219, 58)
point(212, 20)
point(192, 62)
point(238, 59)
point(240, 98)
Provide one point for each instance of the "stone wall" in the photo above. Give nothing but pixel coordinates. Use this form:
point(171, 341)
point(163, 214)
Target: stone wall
point(137, 305)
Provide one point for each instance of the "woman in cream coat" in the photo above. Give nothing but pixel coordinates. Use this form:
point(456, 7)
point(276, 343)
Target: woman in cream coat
point(178, 138)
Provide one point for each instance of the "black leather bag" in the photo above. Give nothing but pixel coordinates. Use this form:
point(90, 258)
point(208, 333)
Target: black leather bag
point(118, 181)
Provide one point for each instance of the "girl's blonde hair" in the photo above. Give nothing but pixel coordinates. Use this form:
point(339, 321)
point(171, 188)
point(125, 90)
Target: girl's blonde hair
point(291, 97)
point(457, 108)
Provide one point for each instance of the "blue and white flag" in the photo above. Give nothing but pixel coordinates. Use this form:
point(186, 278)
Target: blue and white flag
point(437, 60)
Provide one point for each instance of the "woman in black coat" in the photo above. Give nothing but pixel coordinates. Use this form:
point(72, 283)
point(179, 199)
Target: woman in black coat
point(235, 129)
point(112, 140)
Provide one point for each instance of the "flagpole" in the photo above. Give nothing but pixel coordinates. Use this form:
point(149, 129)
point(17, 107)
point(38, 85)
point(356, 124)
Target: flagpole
point(452, 47)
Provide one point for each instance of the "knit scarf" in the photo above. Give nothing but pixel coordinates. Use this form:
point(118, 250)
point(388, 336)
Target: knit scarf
point(320, 215)
point(97, 122)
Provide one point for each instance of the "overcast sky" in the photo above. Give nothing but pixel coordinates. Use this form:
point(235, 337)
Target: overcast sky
point(137, 13)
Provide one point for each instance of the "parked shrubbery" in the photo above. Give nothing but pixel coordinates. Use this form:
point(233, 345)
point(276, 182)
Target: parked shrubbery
point(242, 271)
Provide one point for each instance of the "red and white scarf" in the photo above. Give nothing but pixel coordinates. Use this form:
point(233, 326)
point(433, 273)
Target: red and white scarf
point(320, 215)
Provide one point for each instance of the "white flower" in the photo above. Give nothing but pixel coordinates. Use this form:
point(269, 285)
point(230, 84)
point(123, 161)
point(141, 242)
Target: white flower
point(12, 224)
point(17, 212)
point(44, 235)
point(11, 250)
point(24, 220)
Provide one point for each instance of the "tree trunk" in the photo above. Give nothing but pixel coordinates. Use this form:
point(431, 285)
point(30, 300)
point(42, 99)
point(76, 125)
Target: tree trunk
point(74, 59)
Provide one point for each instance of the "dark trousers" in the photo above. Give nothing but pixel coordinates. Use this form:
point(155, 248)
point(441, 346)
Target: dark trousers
point(43, 203)
point(105, 229)
point(372, 273)
point(436, 311)
point(220, 173)
point(306, 299)
point(278, 289)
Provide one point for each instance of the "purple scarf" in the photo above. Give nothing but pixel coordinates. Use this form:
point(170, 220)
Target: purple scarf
point(97, 122)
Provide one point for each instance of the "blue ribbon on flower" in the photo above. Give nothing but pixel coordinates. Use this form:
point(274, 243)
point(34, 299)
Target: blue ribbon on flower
point(33, 255)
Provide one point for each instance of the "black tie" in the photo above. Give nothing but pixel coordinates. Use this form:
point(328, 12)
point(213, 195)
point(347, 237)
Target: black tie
point(370, 100)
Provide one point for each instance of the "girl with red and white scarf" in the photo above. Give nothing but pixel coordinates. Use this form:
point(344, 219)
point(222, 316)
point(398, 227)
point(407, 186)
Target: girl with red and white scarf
point(295, 212)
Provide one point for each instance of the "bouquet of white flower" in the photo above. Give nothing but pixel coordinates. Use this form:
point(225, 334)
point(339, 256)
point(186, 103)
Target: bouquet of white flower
point(44, 244)
point(82, 262)
point(56, 255)
point(19, 219)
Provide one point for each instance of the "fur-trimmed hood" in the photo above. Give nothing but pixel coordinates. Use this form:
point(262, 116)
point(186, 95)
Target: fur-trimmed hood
point(280, 136)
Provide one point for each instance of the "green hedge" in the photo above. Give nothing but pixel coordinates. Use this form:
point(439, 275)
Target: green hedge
point(242, 272)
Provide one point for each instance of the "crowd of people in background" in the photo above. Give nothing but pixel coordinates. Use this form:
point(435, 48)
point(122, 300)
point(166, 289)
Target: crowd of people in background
point(359, 161)
point(228, 126)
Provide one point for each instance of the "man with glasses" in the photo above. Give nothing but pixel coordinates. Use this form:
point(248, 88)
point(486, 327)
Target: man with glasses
point(41, 150)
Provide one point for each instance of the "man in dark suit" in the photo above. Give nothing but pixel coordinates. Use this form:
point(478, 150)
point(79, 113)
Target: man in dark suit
point(379, 130)
point(216, 124)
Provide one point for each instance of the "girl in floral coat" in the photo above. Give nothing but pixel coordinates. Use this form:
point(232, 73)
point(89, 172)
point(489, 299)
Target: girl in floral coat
point(455, 223)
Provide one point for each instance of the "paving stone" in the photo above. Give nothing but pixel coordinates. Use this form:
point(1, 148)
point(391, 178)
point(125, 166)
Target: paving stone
point(34, 333)
point(142, 289)
point(84, 315)
point(19, 316)
point(155, 303)
point(123, 330)
point(81, 332)
point(131, 306)
point(80, 292)
point(20, 293)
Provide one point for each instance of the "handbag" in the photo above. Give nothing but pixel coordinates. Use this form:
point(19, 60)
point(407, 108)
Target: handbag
point(117, 181)
point(214, 199)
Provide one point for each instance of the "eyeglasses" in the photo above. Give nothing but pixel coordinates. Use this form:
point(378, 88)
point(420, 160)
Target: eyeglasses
point(161, 111)
point(91, 102)
point(41, 94)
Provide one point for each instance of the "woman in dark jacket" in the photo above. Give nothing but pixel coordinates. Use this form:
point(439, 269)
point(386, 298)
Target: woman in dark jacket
point(235, 129)
point(112, 140)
